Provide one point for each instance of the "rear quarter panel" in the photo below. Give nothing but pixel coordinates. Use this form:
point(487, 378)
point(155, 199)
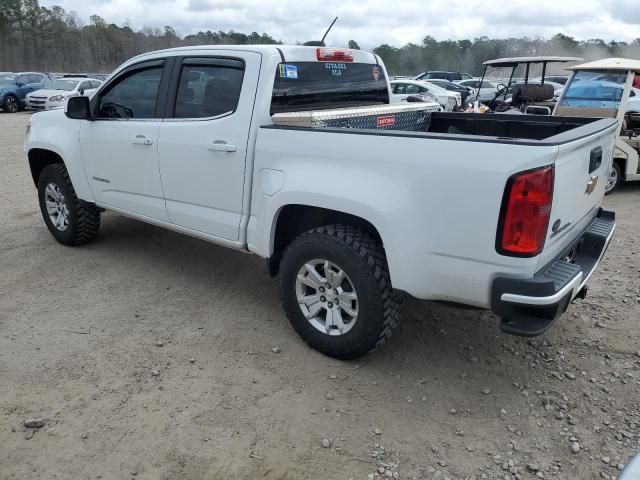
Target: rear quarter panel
point(435, 202)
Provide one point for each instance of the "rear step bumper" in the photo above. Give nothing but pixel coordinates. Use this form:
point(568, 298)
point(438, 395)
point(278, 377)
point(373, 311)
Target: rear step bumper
point(529, 306)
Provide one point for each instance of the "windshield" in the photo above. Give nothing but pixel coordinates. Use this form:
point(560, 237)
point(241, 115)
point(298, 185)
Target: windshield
point(7, 79)
point(60, 84)
point(514, 74)
point(595, 89)
point(322, 85)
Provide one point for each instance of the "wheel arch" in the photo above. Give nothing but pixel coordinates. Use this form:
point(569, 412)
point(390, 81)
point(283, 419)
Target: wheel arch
point(622, 163)
point(39, 158)
point(292, 220)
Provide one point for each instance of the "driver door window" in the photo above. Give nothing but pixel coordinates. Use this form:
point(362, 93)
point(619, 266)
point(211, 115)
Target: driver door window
point(132, 97)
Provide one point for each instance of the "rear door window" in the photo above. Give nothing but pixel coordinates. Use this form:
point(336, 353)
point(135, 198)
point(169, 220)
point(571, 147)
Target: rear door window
point(303, 86)
point(209, 89)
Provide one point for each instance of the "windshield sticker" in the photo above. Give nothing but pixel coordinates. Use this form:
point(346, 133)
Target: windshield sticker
point(336, 68)
point(376, 73)
point(288, 71)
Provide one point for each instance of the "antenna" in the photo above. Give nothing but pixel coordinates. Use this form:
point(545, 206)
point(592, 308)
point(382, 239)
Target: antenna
point(320, 43)
point(330, 26)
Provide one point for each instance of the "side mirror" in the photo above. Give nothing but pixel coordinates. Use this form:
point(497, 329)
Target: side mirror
point(19, 84)
point(78, 108)
point(81, 92)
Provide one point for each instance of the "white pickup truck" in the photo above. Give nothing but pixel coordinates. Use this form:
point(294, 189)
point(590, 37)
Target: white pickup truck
point(499, 212)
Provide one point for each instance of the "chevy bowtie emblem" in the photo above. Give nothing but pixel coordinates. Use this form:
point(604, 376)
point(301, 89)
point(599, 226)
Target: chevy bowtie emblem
point(591, 186)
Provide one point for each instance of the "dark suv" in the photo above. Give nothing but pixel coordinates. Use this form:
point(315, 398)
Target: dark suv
point(15, 86)
point(443, 75)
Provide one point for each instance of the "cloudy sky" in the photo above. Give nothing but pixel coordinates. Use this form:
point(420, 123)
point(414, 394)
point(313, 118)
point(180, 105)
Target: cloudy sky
point(372, 22)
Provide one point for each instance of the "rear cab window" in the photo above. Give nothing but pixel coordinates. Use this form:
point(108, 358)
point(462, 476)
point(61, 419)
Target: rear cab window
point(301, 86)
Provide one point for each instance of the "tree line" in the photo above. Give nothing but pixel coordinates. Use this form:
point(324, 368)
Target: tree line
point(34, 37)
point(468, 55)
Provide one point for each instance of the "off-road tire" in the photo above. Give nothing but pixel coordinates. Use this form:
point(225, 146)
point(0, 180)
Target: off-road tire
point(363, 259)
point(84, 217)
point(11, 104)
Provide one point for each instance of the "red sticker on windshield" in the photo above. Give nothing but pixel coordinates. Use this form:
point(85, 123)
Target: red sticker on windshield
point(385, 121)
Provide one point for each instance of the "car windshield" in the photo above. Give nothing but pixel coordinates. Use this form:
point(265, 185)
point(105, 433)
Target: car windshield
point(62, 84)
point(595, 89)
point(7, 79)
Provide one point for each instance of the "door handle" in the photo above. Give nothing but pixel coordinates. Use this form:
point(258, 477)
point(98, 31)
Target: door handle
point(222, 146)
point(141, 140)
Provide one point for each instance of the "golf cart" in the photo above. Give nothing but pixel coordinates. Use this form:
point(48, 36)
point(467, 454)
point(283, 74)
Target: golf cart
point(608, 88)
point(521, 85)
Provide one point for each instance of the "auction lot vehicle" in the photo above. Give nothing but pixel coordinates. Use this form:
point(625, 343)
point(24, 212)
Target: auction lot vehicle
point(605, 89)
point(201, 140)
point(465, 92)
point(522, 84)
point(402, 89)
point(443, 75)
point(15, 87)
point(58, 91)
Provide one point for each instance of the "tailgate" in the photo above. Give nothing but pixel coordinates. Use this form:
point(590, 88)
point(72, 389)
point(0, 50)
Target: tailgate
point(581, 172)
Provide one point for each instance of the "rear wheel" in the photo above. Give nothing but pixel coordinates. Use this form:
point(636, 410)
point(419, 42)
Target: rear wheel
point(336, 291)
point(11, 104)
point(615, 177)
point(70, 220)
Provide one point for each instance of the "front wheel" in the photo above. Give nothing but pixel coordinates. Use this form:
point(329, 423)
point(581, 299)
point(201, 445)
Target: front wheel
point(615, 177)
point(336, 291)
point(11, 104)
point(70, 220)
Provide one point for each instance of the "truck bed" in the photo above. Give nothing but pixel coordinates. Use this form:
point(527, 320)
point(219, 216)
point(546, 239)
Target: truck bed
point(531, 127)
point(497, 128)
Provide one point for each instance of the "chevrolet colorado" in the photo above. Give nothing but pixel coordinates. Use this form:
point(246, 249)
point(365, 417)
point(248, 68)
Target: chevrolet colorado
point(500, 212)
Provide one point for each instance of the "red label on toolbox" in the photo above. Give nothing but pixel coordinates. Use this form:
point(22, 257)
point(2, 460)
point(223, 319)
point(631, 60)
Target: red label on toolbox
point(385, 121)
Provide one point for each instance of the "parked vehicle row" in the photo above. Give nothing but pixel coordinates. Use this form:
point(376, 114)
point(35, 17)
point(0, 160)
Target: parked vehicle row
point(42, 91)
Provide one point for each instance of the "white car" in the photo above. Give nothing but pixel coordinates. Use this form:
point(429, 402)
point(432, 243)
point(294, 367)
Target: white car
point(222, 143)
point(401, 89)
point(56, 92)
point(633, 104)
point(484, 94)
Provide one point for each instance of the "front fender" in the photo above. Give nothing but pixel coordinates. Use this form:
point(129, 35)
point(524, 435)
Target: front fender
point(51, 130)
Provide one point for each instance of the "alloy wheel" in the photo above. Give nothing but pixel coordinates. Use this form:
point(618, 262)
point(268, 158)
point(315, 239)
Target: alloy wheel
point(327, 297)
point(56, 206)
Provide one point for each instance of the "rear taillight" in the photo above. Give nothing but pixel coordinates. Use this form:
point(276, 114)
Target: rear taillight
point(334, 55)
point(524, 217)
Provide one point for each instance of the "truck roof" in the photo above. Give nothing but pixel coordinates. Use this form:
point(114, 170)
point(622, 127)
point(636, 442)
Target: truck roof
point(288, 53)
point(609, 64)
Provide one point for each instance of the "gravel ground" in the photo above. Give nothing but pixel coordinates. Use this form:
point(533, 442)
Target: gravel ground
point(152, 355)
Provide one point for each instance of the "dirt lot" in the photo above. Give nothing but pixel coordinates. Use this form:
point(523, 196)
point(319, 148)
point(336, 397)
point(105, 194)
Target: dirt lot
point(84, 330)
